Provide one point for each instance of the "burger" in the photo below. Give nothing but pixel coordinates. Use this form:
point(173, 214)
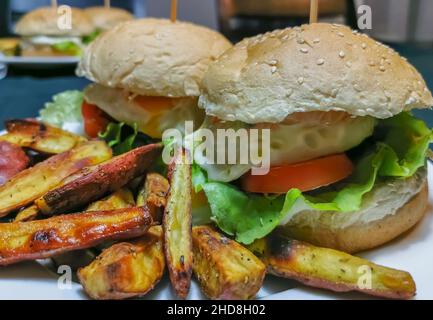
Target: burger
point(347, 158)
point(147, 74)
point(42, 36)
point(104, 18)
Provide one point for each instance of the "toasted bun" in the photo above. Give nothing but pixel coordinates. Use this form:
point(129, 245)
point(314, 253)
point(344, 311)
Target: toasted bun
point(43, 21)
point(106, 18)
point(153, 57)
point(352, 234)
point(315, 67)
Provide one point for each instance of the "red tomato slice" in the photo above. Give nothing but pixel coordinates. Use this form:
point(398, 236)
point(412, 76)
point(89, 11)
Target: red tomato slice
point(308, 175)
point(95, 120)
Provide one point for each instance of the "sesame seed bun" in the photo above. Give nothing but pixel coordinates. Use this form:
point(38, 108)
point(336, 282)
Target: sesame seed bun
point(315, 67)
point(153, 57)
point(388, 211)
point(43, 21)
point(106, 18)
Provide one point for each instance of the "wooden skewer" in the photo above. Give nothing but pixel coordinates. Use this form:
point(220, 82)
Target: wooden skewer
point(173, 13)
point(314, 10)
point(54, 3)
point(107, 3)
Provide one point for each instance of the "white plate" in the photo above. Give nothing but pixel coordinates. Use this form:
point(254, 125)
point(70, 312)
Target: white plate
point(38, 62)
point(410, 252)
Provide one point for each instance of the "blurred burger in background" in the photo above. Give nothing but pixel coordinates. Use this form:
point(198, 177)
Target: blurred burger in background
point(104, 18)
point(41, 35)
point(147, 73)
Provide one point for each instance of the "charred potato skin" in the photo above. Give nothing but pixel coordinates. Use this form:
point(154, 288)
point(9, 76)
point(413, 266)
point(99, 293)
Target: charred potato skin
point(154, 194)
point(331, 269)
point(92, 183)
point(21, 241)
point(177, 225)
point(39, 136)
point(224, 268)
point(127, 269)
point(30, 184)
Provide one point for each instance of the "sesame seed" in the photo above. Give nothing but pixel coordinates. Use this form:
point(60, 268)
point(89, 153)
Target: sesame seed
point(320, 61)
point(273, 62)
point(304, 50)
point(363, 46)
point(300, 41)
point(273, 69)
point(300, 80)
point(317, 40)
point(342, 54)
point(382, 68)
point(340, 34)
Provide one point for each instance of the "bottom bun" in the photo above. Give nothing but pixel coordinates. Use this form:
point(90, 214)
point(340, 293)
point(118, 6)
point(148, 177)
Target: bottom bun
point(363, 235)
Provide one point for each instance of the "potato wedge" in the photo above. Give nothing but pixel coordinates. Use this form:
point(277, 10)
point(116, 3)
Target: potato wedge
point(125, 269)
point(39, 136)
point(154, 194)
point(92, 183)
point(122, 198)
point(27, 214)
point(176, 224)
point(12, 161)
point(331, 269)
point(224, 268)
point(34, 182)
point(44, 238)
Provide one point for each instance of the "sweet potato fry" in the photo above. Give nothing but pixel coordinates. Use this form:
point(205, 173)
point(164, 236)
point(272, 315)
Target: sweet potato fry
point(120, 199)
point(177, 225)
point(331, 269)
point(92, 183)
point(34, 182)
point(44, 238)
point(224, 268)
point(39, 136)
point(125, 269)
point(12, 161)
point(27, 214)
point(154, 194)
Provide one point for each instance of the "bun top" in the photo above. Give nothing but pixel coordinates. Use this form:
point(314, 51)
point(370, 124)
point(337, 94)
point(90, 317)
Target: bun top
point(316, 67)
point(153, 57)
point(43, 22)
point(106, 18)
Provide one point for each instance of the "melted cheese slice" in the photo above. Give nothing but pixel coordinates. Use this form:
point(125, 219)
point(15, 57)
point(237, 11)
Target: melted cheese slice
point(153, 115)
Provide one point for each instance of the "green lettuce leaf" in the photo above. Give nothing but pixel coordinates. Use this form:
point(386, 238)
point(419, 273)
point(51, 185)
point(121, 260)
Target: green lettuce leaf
point(399, 151)
point(65, 107)
point(90, 37)
point(68, 47)
point(122, 137)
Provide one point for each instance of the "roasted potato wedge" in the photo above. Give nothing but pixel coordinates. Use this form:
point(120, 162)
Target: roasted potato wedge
point(331, 269)
point(92, 183)
point(39, 136)
point(45, 238)
point(224, 268)
point(177, 225)
point(122, 198)
point(34, 182)
point(27, 214)
point(125, 269)
point(154, 194)
point(12, 161)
